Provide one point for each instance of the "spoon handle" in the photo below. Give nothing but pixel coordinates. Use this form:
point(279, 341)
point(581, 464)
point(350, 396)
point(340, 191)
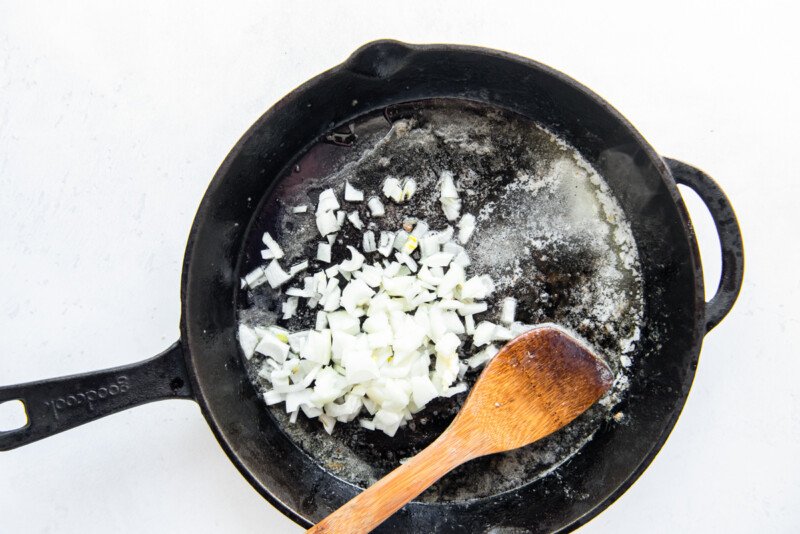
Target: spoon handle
point(374, 505)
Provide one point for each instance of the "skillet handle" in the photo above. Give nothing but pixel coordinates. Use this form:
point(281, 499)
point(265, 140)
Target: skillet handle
point(59, 404)
point(730, 238)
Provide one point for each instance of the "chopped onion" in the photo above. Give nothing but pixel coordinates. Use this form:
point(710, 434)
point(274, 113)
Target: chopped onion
point(267, 254)
point(482, 357)
point(355, 220)
point(477, 287)
point(294, 269)
point(409, 188)
point(469, 325)
point(322, 321)
point(386, 340)
point(386, 243)
point(410, 245)
point(466, 226)
point(355, 262)
point(276, 276)
point(300, 209)
point(407, 260)
point(324, 252)
point(369, 241)
point(272, 245)
point(376, 208)
point(439, 259)
point(472, 308)
point(289, 307)
point(255, 278)
point(448, 196)
point(248, 340)
point(351, 194)
point(484, 333)
point(317, 347)
point(392, 189)
point(273, 347)
point(508, 310)
point(327, 202)
point(327, 223)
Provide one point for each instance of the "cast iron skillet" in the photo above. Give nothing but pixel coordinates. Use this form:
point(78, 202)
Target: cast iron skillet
point(205, 364)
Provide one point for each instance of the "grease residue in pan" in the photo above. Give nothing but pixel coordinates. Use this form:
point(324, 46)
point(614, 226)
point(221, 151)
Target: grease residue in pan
point(549, 232)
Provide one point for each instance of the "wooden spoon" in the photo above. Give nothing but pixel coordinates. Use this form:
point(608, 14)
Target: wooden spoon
point(536, 384)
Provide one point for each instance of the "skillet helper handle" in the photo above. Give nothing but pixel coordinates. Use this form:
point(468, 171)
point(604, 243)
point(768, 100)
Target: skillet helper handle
point(377, 503)
point(730, 238)
point(59, 404)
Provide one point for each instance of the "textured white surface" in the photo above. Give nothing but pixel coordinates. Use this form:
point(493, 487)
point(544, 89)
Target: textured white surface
point(114, 116)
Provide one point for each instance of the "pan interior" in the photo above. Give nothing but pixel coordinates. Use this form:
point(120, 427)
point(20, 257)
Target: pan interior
point(549, 233)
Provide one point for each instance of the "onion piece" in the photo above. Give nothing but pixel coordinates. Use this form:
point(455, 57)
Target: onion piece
point(386, 243)
point(272, 245)
point(255, 278)
point(469, 325)
point(322, 321)
point(247, 340)
point(466, 226)
point(355, 220)
point(267, 254)
point(407, 260)
point(508, 310)
point(317, 347)
point(368, 241)
point(355, 262)
point(409, 188)
point(376, 207)
point(351, 194)
point(324, 252)
point(276, 276)
point(289, 307)
point(484, 333)
point(300, 209)
point(327, 223)
point(392, 189)
point(327, 202)
point(299, 267)
point(271, 346)
point(483, 356)
point(439, 259)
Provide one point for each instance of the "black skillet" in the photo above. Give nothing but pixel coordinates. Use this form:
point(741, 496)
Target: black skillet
point(205, 364)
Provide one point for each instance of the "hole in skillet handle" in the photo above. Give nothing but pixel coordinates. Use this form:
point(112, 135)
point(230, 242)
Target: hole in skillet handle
point(13, 416)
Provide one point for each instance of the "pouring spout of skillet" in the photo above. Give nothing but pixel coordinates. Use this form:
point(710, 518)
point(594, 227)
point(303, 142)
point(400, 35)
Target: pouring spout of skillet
point(537, 383)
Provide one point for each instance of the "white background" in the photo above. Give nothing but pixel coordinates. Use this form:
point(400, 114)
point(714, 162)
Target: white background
point(114, 116)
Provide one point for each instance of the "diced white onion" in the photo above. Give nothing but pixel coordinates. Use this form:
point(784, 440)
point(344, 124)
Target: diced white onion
point(355, 262)
point(351, 194)
point(466, 226)
point(392, 189)
point(327, 223)
point(324, 252)
point(376, 208)
point(294, 269)
point(248, 340)
point(255, 278)
point(409, 188)
point(508, 310)
point(368, 240)
point(300, 209)
point(272, 245)
point(355, 220)
point(327, 202)
point(276, 276)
